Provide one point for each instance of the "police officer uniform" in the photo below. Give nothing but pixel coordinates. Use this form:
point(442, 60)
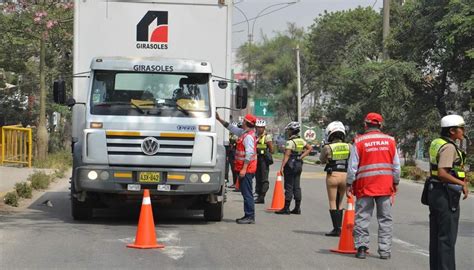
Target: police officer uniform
point(443, 198)
point(335, 155)
point(292, 168)
point(263, 165)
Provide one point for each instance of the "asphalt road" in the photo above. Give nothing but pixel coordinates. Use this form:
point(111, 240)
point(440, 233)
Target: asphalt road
point(42, 237)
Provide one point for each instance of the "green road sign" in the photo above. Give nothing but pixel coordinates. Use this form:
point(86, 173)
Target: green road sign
point(261, 108)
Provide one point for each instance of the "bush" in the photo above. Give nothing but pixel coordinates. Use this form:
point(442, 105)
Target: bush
point(11, 198)
point(413, 173)
point(39, 180)
point(470, 178)
point(24, 190)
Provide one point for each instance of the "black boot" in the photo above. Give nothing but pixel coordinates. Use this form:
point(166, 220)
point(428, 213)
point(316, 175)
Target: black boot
point(285, 210)
point(336, 231)
point(340, 215)
point(260, 199)
point(297, 209)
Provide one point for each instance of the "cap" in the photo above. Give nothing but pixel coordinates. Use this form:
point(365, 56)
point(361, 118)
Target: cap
point(374, 118)
point(250, 118)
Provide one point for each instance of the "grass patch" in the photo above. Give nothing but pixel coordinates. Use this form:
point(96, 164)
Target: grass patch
point(11, 198)
point(60, 161)
point(39, 180)
point(278, 155)
point(24, 190)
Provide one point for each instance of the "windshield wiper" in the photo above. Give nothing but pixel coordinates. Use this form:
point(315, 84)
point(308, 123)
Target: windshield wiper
point(179, 107)
point(110, 103)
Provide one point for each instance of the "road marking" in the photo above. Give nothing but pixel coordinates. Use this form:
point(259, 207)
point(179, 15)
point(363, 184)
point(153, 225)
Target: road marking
point(170, 239)
point(413, 248)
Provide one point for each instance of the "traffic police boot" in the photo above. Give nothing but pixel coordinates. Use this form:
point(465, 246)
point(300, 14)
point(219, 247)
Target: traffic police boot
point(260, 199)
point(336, 231)
point(361, 252)
point(297, 209)
point(285, 210)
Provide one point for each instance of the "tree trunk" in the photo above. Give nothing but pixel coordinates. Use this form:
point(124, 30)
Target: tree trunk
point(42, 138)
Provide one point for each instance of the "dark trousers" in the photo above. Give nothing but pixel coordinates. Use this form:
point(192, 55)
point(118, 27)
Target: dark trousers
point(246, 190)
point(261, 176)
point(443, 230)
point(292, 184)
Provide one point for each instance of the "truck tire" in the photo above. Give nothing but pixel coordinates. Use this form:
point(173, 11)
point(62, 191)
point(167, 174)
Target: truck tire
point(80, 210)
point(214, 212)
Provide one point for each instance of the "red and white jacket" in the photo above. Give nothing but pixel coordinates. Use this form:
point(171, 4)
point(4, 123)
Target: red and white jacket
point(374, 165)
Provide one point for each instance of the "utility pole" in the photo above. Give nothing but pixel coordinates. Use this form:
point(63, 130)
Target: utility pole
point(298, 74)
point(386, 27)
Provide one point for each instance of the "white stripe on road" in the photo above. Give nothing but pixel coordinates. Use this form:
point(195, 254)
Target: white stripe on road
point(413, 248)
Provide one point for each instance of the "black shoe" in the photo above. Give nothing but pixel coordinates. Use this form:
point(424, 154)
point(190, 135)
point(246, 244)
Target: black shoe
point(296, 211)
point(334, 233)
point(231, 186)
point(247, 220)
point(284, 211)
point(361, 252)
point(260, 200)
point(237, 220)
point(385, 256)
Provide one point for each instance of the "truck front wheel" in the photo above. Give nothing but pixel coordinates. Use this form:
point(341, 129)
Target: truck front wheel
point(214, 212)
point(80, 210)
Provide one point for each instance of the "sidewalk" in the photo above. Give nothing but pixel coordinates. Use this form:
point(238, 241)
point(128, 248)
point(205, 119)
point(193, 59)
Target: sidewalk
point(9, 176)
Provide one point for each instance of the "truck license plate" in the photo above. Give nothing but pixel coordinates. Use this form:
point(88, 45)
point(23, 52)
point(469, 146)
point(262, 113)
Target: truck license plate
point(164, 188)
point(133, 187)
point(149, 177)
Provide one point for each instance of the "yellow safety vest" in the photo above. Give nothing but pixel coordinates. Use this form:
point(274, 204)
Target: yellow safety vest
point(457, 169)
point(261, 144)
point(339, 156)
point(299, 146)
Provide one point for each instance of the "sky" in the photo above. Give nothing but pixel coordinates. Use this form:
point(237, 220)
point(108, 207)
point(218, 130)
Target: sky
point(302, 13)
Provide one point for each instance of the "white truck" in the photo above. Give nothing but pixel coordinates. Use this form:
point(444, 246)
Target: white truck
point(149, 77)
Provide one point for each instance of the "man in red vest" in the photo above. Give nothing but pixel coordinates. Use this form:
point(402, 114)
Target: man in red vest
point(373, 174)
point(245, 162)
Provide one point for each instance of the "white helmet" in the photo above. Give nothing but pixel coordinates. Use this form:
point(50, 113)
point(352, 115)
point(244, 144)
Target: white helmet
point(335, 126)
point(260, 123)
point(293, 126)
point(234, 123)
point(452, 120)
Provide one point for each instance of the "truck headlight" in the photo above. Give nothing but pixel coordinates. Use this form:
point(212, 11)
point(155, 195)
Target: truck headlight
point(92, 175)
point(205, 178)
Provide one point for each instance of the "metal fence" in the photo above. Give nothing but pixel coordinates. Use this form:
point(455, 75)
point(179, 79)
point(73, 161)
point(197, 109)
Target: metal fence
point(16, 145)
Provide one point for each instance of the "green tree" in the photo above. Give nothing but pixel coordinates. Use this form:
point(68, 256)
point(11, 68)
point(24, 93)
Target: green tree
point(274, 64)
point(39, 33)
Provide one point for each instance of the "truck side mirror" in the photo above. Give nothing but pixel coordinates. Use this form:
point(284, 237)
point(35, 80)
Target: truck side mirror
point(241, 97)
point(59, 92)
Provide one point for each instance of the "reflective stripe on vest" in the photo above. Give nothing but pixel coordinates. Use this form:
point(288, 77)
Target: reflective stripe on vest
point(457, 168)
point(340, 151)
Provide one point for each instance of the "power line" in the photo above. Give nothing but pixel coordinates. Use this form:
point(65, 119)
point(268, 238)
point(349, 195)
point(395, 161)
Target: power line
point(264, 14)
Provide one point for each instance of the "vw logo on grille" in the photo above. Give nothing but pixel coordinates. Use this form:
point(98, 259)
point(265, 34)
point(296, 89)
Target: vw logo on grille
point(150, 146)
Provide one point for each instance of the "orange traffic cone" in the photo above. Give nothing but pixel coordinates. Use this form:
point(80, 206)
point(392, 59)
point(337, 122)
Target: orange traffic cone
point(346, 241)
point(278, 201)
point(146, 236)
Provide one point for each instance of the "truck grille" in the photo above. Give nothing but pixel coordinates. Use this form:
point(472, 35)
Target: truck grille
point(131, 146)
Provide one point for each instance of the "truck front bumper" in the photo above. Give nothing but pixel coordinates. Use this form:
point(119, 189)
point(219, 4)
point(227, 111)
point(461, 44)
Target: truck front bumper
point(120, 180)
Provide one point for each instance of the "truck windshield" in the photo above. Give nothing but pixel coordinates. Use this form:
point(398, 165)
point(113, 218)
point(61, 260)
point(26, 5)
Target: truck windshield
point(150, 94)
